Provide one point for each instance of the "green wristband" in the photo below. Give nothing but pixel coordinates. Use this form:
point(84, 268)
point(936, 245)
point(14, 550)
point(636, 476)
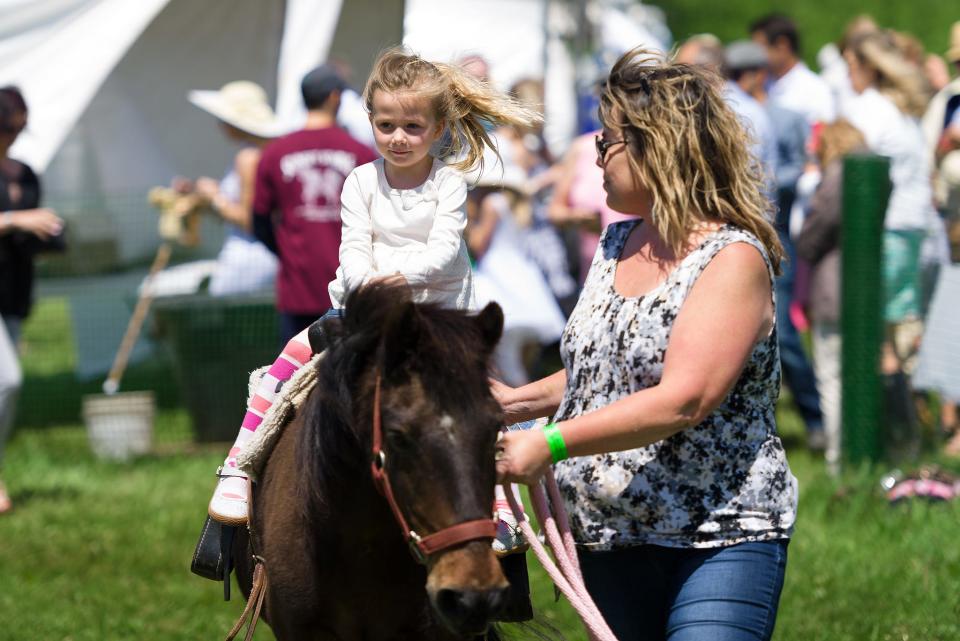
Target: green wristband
point(558, 449)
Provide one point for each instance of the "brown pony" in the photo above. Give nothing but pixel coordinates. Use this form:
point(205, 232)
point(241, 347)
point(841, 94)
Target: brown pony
point(337, 563)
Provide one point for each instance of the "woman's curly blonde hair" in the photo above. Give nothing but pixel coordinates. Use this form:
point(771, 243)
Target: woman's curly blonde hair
point(687, 147)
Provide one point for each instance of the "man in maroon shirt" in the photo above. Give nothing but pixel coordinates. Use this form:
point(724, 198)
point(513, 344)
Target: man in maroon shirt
point(296, 202)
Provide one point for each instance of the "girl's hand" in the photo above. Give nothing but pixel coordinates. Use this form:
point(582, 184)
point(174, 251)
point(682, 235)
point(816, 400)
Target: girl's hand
point(522, 457)
point(393, 279)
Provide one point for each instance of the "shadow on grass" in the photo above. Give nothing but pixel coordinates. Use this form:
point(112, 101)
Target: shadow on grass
point(27, 495)
point(56, 399)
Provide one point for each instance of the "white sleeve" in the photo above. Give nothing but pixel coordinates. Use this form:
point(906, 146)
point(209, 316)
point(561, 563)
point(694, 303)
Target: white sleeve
point(446, 235)
point(356, 240)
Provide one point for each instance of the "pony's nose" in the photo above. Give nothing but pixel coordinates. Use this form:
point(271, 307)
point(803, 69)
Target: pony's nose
point(470, 610)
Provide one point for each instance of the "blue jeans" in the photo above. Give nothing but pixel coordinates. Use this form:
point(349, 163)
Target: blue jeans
point(653, 593)
point(797, 371)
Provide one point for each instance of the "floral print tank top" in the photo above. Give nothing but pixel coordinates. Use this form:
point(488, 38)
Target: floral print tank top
point(722, 482)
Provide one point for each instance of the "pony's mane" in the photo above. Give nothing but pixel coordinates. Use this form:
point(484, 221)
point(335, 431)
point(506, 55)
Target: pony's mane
point(375, 326)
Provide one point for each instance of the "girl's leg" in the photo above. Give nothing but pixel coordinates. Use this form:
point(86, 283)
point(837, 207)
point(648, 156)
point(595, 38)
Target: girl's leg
point(229, 502)
point(727, 594)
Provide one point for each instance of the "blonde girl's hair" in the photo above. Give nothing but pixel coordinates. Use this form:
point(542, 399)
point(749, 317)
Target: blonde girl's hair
point(688, 148)
point(837, 139)
point(465, 105)
point(897, 78)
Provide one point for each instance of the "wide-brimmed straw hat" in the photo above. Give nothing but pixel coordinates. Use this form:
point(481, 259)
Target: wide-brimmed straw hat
point(241, 104)
point(953, 53)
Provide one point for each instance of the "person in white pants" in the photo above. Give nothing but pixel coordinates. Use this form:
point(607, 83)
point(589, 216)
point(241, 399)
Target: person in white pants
point(11, 379)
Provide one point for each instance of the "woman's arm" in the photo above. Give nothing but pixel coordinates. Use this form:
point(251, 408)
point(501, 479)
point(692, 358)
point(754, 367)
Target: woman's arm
point(821, 227)
point(727, 312)
point(559, 211)
point(481, 227)
point(533, 400)
point(41, 222)
point(236, 213)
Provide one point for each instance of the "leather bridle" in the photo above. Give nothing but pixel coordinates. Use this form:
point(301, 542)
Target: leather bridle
point(420, 546)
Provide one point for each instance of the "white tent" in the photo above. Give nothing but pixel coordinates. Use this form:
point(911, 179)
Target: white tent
point(106, 82)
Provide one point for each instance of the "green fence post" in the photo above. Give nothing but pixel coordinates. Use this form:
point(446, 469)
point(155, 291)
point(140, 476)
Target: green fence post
point(866, 190)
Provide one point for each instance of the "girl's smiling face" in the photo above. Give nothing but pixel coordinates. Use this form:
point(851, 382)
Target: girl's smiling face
point(404, 128)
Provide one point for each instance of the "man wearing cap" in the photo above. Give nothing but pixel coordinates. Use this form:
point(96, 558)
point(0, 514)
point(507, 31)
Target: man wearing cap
point(793, 86)
point(296, 202)
point(746, 63)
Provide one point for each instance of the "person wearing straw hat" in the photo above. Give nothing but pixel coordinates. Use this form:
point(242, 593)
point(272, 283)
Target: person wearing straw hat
point(246, 118)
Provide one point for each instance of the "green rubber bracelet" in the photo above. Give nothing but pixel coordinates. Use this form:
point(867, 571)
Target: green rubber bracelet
point(558, 449)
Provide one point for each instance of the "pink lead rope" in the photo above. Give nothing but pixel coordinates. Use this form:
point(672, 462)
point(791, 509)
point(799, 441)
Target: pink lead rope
point(567, 576)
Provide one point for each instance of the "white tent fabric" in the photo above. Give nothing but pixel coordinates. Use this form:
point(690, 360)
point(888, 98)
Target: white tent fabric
point(453, 29)
point(44, 45)
point(139, 130)
point(305, 44)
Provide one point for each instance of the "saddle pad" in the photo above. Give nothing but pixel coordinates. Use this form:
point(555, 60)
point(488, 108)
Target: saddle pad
point(288, 400)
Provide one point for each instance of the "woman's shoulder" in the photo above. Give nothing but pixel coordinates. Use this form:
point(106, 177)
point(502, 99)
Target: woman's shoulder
point(246, 160)
point(736, 247)
point(17, 171)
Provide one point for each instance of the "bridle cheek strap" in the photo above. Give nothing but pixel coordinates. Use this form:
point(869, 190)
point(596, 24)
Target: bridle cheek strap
point(421, 547)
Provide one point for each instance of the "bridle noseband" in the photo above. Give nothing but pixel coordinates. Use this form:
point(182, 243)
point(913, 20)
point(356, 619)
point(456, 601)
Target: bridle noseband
point(420, 546)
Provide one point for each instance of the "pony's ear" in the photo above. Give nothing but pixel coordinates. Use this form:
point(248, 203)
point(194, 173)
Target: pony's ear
point(401, 336)
point(490, 323)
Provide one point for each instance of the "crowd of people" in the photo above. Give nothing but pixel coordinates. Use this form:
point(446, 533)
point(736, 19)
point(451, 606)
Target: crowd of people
point(671, 258)
point(535, 237)
point(875, 89)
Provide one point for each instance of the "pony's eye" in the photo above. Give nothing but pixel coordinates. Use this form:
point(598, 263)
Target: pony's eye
point(399, 439)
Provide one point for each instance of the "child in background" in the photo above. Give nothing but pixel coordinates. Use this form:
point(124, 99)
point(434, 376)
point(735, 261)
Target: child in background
point(403, 219)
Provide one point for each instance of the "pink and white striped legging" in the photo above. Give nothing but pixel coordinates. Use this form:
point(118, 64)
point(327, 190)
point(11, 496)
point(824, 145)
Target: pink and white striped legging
point(295, 355)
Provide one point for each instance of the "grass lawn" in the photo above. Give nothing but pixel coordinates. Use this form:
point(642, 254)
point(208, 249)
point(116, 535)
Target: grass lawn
point(100, 551)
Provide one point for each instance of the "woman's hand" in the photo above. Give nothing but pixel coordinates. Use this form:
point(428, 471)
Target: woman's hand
point(207, 188)
point(501, 392)
point(42, 223)
point(522, 457)
point(181, 185)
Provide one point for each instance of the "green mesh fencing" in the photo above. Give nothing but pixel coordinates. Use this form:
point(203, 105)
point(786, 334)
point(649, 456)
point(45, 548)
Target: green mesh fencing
point(866, 190)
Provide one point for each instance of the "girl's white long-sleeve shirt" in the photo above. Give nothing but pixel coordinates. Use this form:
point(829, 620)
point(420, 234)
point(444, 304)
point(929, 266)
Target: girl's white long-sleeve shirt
point(416, 232)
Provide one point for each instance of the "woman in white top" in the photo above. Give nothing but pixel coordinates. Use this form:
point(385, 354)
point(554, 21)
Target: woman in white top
point(403, 215)
point(891, 95)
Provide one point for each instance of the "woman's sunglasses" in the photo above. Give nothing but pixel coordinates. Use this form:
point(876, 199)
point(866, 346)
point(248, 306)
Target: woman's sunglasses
point(604, 145)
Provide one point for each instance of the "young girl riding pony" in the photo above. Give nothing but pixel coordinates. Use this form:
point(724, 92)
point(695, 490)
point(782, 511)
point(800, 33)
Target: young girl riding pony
point(403, 219)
